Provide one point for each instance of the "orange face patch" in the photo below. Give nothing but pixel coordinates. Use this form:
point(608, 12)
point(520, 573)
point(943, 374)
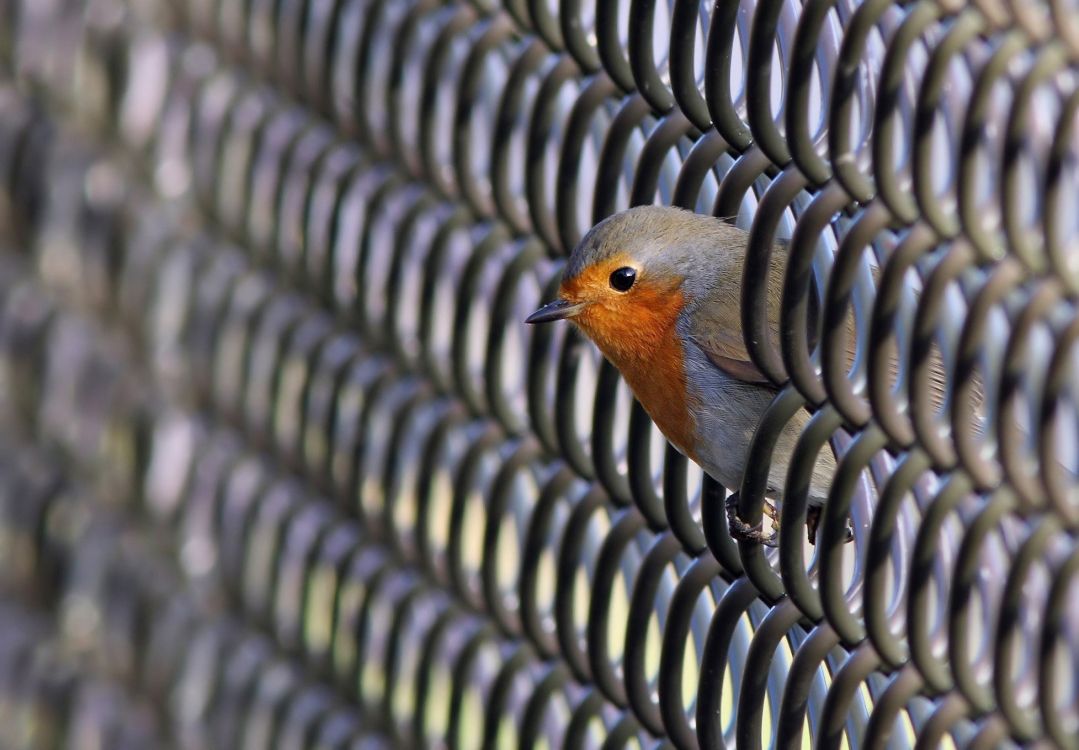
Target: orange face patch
point(636, 331)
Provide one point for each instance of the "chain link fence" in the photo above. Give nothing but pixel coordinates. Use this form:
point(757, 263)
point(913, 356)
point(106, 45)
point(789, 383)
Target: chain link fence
point(281, 465)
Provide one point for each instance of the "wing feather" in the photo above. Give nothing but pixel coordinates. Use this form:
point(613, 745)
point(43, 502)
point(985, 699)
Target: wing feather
point(716, 327)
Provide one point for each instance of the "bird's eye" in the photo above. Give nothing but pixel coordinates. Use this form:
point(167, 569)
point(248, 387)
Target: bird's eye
point(622, 278)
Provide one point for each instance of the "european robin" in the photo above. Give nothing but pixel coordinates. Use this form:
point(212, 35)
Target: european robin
point(657, 290)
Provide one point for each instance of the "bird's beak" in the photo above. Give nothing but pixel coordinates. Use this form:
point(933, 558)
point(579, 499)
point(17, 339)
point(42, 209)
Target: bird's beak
point(560, 309)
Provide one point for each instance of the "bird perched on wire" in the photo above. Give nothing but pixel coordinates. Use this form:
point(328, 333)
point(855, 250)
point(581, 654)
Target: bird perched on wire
point(658, 290)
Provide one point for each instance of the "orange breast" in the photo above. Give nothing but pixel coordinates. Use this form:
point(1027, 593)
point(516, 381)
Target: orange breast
point(660, 386)
point(641, 341)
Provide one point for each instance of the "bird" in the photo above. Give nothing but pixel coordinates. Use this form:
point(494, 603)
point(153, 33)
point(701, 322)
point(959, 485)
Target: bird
point(658, 290)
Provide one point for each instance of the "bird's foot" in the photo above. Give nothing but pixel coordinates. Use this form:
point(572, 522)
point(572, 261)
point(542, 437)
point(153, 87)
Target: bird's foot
point(813, 515)
point(770, 512)
point(742, 531)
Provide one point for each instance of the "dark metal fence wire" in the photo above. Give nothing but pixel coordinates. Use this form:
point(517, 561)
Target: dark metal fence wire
point(282, 466)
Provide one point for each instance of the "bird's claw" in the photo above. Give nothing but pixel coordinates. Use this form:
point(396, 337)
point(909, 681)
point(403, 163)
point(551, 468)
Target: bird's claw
point(742, 531)
point(813, 518)
point(770, 512)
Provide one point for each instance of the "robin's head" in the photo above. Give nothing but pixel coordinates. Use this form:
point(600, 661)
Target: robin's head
point(631, 276)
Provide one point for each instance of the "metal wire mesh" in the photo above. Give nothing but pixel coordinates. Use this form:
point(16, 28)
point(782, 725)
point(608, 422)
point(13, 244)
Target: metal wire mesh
point(283, 467)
